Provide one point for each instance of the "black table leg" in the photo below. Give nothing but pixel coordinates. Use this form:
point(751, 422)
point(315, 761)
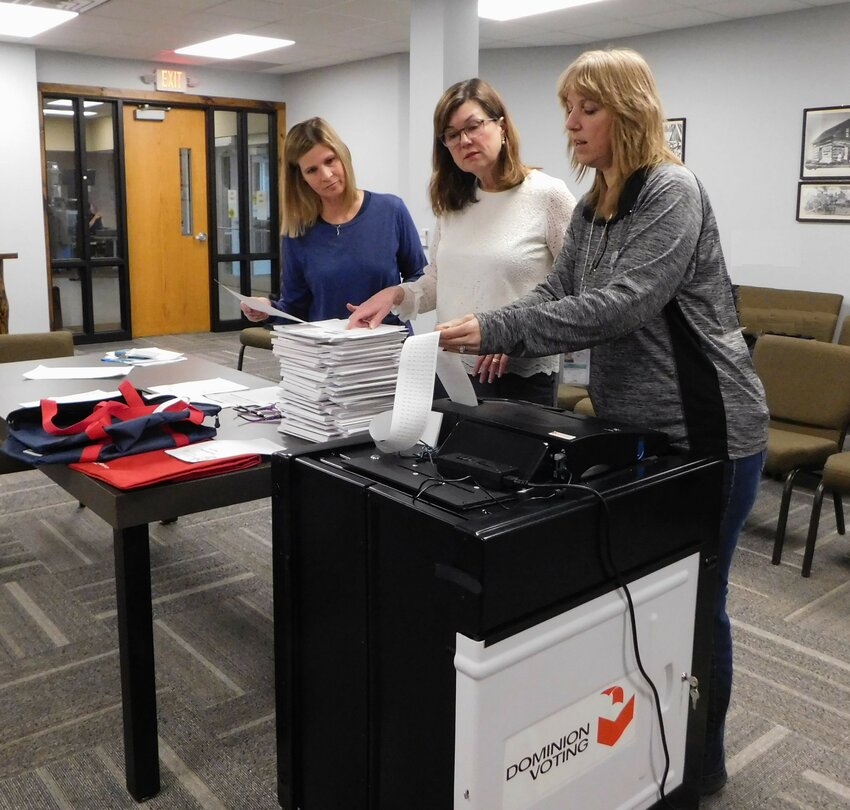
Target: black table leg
point(135, 642)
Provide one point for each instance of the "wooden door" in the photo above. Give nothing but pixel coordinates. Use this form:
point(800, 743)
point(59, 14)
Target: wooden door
point(169, 270)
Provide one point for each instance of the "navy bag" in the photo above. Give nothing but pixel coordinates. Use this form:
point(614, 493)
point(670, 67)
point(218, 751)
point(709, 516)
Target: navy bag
point(55, 433)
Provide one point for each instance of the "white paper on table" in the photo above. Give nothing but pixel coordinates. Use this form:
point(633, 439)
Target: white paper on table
point(413, 395)
point(336, 330)
point(87, 396)
point(196, 390)
point(143, 357)
point(253, 396)
point(264, 307)
point(455, 380)
point(224, 448)
point(77, 372)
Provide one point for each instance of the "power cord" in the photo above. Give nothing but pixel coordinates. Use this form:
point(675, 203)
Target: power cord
point(604, 536)
point(432, 481)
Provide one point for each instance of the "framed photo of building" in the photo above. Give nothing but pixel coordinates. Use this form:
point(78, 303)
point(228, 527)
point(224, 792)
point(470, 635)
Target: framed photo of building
point(823, 202)
point(826, 143)
point(674, 132)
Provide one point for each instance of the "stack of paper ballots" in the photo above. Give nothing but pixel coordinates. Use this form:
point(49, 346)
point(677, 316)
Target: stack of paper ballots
point(334, 379)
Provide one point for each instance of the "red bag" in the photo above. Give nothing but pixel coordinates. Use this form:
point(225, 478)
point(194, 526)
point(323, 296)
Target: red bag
point(156, 466)
point(54, 433)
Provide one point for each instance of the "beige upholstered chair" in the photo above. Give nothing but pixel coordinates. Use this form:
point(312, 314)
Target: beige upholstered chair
point(569, 395)
point(765, 310)
point(835, 479)
point(35, 346)
point(585, 406)
point(844, 334)
point(258, 337)
point(30, 346)
point(807, 383)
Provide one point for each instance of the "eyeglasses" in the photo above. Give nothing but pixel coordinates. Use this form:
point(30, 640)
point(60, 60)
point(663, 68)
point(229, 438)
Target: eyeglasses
point(258, 413)
point(451, 137)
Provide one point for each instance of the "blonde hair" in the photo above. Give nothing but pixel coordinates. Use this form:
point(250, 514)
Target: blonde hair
point(619, 79)
point(301, 205)
point(451, 188)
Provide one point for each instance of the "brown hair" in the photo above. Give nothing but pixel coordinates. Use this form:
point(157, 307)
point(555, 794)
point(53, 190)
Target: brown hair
point(301, 205)
point(451, 188)
point(620, 80)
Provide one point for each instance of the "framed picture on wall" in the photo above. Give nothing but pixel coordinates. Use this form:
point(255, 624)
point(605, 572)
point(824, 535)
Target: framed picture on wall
point(674, 132)
point(826, 143)
point(823, 202)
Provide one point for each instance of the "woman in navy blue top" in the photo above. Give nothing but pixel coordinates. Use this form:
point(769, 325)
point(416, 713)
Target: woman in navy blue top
point(340, 243)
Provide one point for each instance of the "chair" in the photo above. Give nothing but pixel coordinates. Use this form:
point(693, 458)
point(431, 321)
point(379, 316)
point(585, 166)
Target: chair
point(35, 346)
point(835, 479)
point(30, 346)
point(807, 383)
point(844, 334)
point(258, 337)
point(585, 406)
point(799, 313)
point(569, 395)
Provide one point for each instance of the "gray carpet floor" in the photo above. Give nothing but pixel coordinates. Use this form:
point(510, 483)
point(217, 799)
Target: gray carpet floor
point(60, 713)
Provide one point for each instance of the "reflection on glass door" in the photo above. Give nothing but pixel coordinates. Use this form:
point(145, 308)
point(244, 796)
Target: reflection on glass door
point(84, 219)
point(246, 232)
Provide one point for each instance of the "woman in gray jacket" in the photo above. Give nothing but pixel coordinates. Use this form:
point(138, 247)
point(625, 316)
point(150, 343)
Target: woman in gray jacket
point(641, 280)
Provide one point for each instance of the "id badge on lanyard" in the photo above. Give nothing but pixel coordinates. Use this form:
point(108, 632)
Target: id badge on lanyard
point(576, 369)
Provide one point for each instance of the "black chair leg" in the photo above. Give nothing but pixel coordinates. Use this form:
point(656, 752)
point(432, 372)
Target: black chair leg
point(241, 358)
point(783, 517)
point(839, 511)
point(813, 531)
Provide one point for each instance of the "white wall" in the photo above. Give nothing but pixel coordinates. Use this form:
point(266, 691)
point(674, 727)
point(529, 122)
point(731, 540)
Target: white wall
point(742, 86)
point(21, 208)
point(366, 103)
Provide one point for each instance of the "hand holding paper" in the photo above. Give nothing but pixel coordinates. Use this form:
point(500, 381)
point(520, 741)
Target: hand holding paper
point(259, 304)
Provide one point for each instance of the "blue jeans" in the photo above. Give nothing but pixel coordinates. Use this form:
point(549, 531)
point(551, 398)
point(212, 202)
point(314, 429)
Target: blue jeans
point(741, 479)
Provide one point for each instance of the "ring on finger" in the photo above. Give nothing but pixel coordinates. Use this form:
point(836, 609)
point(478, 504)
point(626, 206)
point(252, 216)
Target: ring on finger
point(462, 349)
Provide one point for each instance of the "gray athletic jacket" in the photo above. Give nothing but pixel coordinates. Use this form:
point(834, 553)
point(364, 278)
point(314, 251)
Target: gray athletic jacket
point(650, 294)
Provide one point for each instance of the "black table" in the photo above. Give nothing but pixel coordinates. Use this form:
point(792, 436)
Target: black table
point(130, 512)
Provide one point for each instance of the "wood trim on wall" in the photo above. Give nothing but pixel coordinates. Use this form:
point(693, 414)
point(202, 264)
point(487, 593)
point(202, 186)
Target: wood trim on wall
point(148, 96)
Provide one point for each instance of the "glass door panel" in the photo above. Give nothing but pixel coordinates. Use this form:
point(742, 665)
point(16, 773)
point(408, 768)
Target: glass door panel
point(261, 278)
point(227, 180)
point(106, 298)
point(246, 209)
point(60, 153)
point(85, 218)
point(259, 191)
point(99, 179)
point(228, 276)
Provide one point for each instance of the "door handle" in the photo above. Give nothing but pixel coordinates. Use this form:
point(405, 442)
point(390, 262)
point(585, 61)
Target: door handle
point(201, 237)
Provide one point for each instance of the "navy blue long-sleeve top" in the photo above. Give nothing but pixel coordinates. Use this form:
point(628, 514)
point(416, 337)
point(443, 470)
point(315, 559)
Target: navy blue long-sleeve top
point(332, 265)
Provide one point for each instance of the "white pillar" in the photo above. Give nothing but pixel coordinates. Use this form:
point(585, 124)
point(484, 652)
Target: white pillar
point(443, 50)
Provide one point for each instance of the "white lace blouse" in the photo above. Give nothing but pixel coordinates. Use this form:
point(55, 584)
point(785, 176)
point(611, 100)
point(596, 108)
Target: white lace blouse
point(493, 252)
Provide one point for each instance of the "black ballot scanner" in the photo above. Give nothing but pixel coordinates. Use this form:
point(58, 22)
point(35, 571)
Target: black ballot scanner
point(451, 629)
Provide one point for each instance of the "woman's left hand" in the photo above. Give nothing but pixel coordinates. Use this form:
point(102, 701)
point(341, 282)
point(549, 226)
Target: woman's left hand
point(490, 367)
point(461, 335)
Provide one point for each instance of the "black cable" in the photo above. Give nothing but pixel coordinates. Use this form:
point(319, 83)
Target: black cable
point(605, 546)
point(431, 479)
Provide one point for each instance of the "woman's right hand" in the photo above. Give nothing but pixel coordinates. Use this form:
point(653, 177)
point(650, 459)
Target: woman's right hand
point(252, 314)
point(372, 312)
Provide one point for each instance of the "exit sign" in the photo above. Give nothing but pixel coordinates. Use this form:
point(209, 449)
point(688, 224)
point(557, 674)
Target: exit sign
point(169, 79)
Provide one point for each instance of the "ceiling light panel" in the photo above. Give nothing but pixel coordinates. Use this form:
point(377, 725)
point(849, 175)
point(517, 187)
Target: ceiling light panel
point(234, 46)
point(502, 10)
point(18, 20)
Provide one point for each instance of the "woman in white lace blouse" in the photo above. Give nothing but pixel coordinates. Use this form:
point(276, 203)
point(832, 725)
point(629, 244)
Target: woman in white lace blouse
point(500, 224)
